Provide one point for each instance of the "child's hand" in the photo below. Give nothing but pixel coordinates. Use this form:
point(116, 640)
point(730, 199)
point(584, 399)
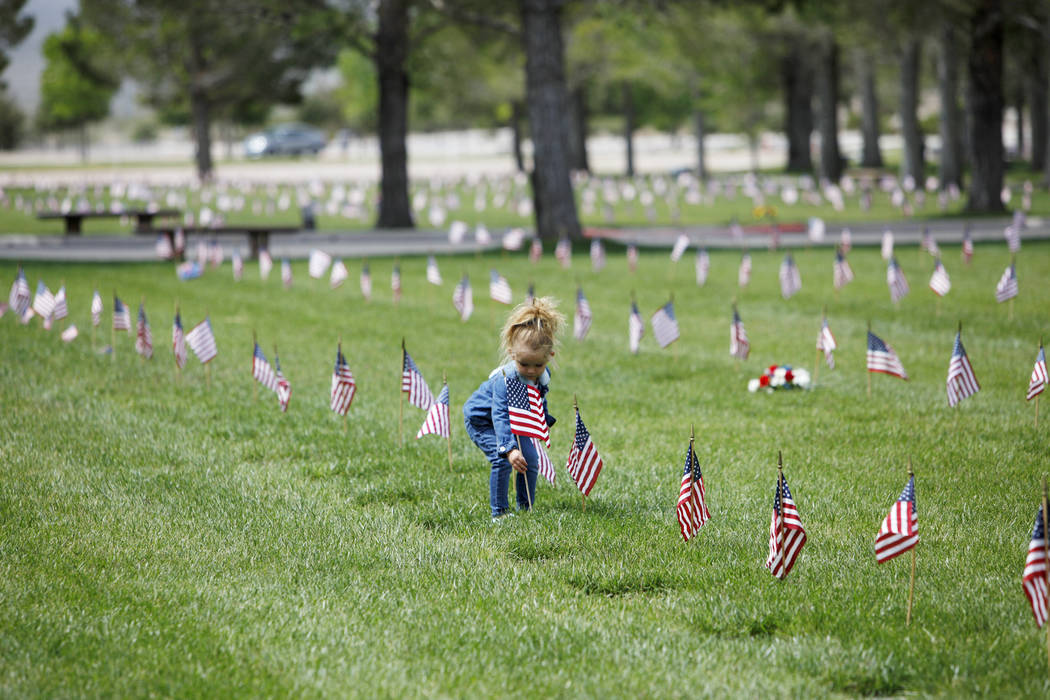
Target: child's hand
point(517, 461)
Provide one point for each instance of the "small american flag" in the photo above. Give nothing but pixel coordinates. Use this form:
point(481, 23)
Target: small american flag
point(437, 421)
point(665, 325)
point(1006, 289)
point(680, 245)
point(826, 343)
point(463, 298)
point(338, 275)
point(896, 280)
point(395, 283)
point(238, 265)
point(1012, 233)
point(413, 384)
point(900, 529)
point(262, 371)
point(44, 301)
point(739, 346)
point(692, 504)
point(543, 462)
point(843, 273)
point(1037, 384)
point(201, 341)
point(286, 273)
point(535, 250)
point(563, 253)
point(319, 262)
point(499, 288)
point(513, 239)
point(597, 255)
point(790, 278)
point(343, 385)
point(1034, 577)
point(961, 379)
point(581, 320)
point(786, 534)
point(366, 282)
point(121, 315)
point(632, 257)
point(433, 274)
point(887, 244)
point(882, 358)
point(96, 309)
point(143, 335)
point(703, 266)
point(19, 297)
point(743, 275)
point(284, 389)
point(846, 240)
point(929, 244)
point(178, 341)
point(939, 281)
point(967, 246)
point(635, 328)
point(70, 334)
point(265, 264)
point(584, 463)
point(525, 408)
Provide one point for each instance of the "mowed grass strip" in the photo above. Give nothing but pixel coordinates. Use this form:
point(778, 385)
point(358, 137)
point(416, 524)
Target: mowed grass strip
point(170, 534)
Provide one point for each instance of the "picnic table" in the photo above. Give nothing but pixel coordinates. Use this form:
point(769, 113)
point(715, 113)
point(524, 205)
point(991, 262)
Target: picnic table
point(258, 235)
point(143, 217)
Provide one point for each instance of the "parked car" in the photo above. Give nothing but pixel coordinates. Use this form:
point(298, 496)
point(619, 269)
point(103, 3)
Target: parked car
point(285, 139)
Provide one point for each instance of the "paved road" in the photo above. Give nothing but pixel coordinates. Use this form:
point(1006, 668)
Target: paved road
point(139, 248)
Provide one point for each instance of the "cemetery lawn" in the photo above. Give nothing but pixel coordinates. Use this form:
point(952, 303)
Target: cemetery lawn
point(180, 536)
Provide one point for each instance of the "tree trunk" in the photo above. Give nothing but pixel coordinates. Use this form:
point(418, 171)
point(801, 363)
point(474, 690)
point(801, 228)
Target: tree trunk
point(985, 106)
point(628, 125)
point(830, 155)
point(547, 100)
point(914, 158)
point(1019, 123)
point(701, 157)
point(1037, 90)
point(515, 130)
point(391, 53)
point(871, 155)
point(577, 130)
point(951, 124)
point(201, 108)
point(798, 109)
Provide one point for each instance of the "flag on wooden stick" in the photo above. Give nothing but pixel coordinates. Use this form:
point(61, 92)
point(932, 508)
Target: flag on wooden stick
point(786, 534)
point(261, 369)
point(665, 325)
point(1034, 577)
point(284, 389)
point(202, 341)
point(581, 320)
point(826, 343)
point(1006, 288)
point(961, 379)
point(1037, 384)
point(883, 359)
point(939, 281)
point(584, 463)
point(343, 385)
point(739, 346)
point(896, 281)
point(143, 335)
point(437, 420)
point(413, 384)
point(692, 504)
point(178, 341)
point(900, 529)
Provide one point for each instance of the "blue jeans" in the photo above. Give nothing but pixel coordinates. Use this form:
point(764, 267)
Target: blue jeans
point(499, 477)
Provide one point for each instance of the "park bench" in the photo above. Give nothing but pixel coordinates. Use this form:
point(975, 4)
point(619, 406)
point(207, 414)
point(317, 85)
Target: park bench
point(143, 217)
point(258, 235)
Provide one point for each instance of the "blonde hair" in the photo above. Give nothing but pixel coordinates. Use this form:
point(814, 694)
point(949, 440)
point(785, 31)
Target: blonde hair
point(534, 324)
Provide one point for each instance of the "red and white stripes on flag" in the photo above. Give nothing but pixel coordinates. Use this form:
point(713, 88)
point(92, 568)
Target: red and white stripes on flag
point(543, 462)
point(284, 389)
point(826, 343)
point(929, 244)
point(413, 384)
point(70, 334)
point(1037, 384)
point(961, 379)
point(635, 328)
point(581, 320)
point(665, 325)
point(262, 371)
point(265, 264)
point(319, 262)
point(1012, 233)
point(786, 534)
point(61, 308)
point(584, 463)
point(499, 288)
point(1006, 288)
point(143, 335)
point(343, 385)
point(286, 273)
point(680, 245)
point(43, 301)
point(790, 278)
point(967, 245)
point(703, 266)
point(202, 341)
point(96, 309)
point(896, 281)
point(463, 298)
point(692, 501)
point(900, 529)
point(739, 346)
point(178, 341)
point(843, 273)
point(535, 250)
point(18, 299)
point(433, 273)
point(882, 358)
point(939, 281)
point(437, 421)
point(338, 275)
point(887, 245)
point(743, 275)
point(563, 253)
point(121, 315)
point(1034, 577)
point(528, 418)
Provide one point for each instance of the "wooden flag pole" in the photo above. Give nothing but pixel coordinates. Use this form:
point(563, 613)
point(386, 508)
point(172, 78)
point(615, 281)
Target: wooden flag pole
point(401, 405)
point(911, 585)
point(444, 381)
point(1046, 569)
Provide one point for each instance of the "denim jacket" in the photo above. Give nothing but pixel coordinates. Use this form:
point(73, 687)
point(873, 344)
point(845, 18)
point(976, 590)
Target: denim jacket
point(486, 409)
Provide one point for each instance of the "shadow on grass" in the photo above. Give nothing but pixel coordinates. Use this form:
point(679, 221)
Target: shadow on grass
point(530, 550)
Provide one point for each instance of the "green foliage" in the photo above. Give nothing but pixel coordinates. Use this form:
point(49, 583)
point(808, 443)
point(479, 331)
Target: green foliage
point(74, 89)
point(359, 91)
point(12, 122)
point(13, 28)
point(167, 535)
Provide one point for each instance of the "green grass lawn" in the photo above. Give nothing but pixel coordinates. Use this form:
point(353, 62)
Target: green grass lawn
point(164, 535)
